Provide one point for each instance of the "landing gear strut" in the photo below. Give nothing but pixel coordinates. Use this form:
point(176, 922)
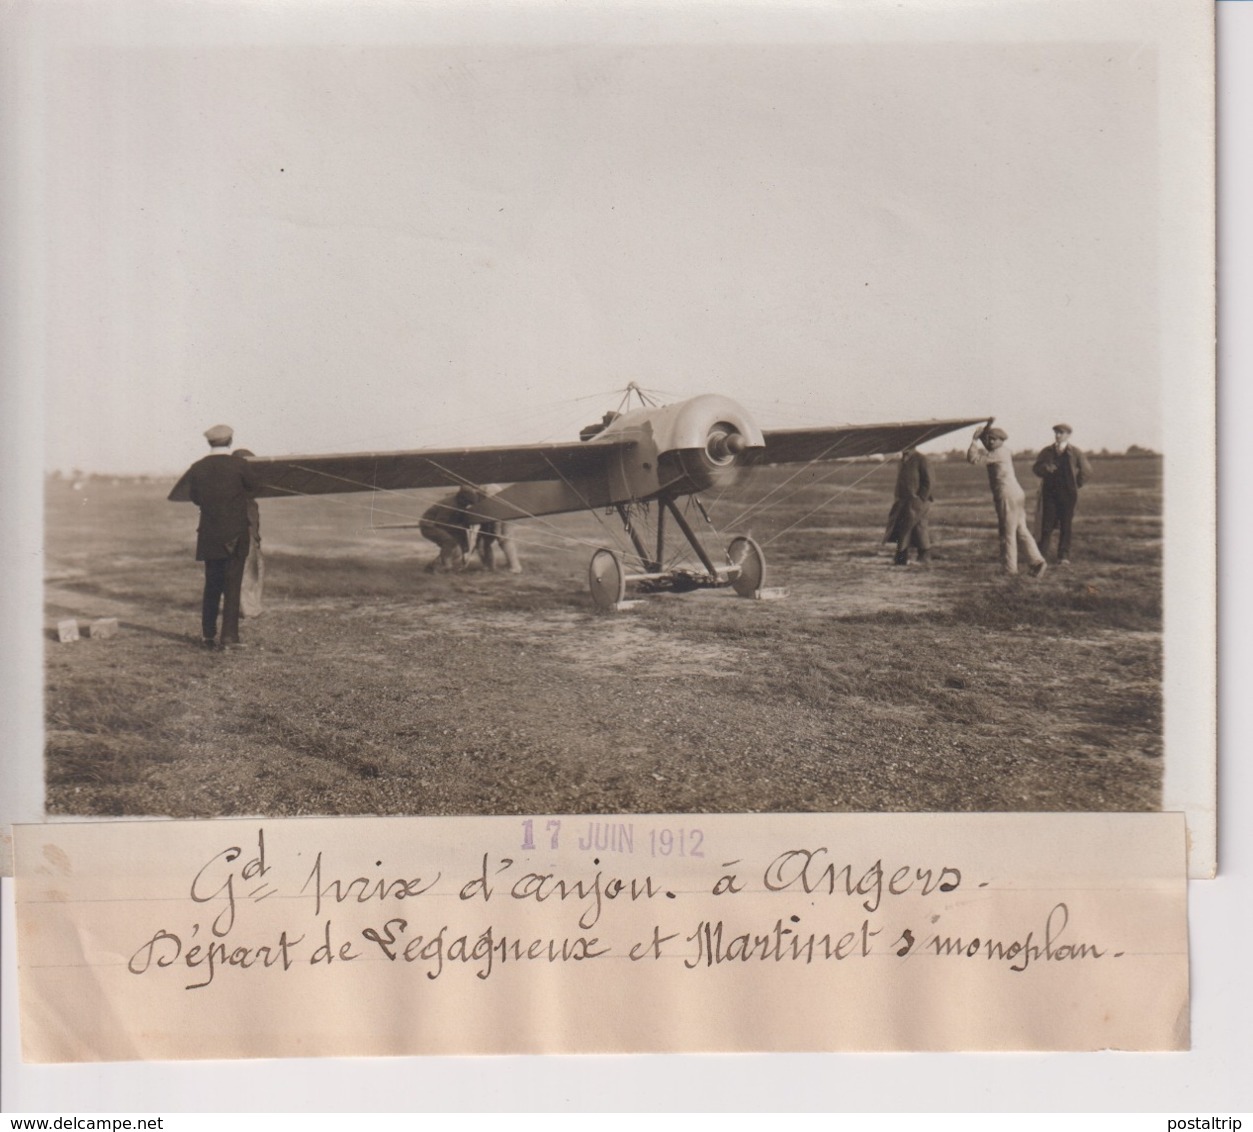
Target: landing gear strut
point(744, 570)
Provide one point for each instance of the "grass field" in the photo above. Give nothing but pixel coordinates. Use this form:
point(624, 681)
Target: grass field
point(372, 687)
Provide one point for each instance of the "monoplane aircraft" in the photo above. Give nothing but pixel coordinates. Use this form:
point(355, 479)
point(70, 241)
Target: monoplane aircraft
point(654, 454)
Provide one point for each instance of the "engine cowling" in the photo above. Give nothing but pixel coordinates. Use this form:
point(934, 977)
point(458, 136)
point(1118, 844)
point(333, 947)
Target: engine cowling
point(690, 446)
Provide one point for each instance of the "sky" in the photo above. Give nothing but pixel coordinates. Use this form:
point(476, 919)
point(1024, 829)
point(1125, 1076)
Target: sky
point(384, 241)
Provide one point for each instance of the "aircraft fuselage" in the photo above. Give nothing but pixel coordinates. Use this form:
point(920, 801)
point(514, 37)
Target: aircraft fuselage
point(679, 449)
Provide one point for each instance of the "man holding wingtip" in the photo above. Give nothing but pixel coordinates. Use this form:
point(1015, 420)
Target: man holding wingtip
point(988, 448)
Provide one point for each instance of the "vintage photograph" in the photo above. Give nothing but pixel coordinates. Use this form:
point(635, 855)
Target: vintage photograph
point(580, 416)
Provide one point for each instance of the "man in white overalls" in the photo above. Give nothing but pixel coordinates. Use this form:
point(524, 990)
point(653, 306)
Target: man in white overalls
point(988, 447)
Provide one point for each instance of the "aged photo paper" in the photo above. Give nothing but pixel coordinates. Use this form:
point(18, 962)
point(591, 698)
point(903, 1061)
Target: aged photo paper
point(395, 228)
point(493, 935)
point(451, 227)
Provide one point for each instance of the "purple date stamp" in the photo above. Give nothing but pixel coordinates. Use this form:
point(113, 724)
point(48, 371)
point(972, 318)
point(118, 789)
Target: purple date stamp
point(616, 837)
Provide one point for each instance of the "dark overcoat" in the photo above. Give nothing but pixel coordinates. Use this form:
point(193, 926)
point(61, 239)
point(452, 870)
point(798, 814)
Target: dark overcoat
point(221, 486)
point(913, 497)
point(1062, 473)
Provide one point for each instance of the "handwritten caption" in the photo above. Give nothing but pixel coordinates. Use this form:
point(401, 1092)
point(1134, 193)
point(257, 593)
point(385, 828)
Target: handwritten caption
point(547, 899)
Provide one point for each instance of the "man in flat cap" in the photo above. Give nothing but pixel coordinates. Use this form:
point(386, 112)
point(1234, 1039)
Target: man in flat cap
point(222, 485)
point(988, 448)
point(1063, 470)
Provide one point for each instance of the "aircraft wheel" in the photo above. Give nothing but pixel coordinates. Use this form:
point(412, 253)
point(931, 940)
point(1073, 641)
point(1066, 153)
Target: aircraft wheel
point(607, 580)
point(747, 555)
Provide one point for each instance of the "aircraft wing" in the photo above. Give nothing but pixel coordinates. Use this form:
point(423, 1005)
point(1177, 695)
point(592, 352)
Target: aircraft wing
point(800, 445)
point(434, 467)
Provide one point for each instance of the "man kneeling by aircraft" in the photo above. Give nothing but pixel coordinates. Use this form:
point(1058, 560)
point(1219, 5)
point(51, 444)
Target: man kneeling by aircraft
point(448, 523)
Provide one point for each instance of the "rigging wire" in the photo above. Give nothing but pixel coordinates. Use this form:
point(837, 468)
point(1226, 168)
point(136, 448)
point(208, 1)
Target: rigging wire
point(595, 511)
point(637, 514)
point(566, 540)
point(822, 457)
point(773, 499)
point(527, 514)
point(825, 503)
point(565, 543)
point(543, 418)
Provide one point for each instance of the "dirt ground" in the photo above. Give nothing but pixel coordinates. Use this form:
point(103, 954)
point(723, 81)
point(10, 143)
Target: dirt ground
point(370, 686)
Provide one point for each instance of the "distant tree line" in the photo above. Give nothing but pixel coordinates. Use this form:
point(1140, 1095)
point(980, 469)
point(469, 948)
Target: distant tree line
point(1134, 450)
point(77, 475)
